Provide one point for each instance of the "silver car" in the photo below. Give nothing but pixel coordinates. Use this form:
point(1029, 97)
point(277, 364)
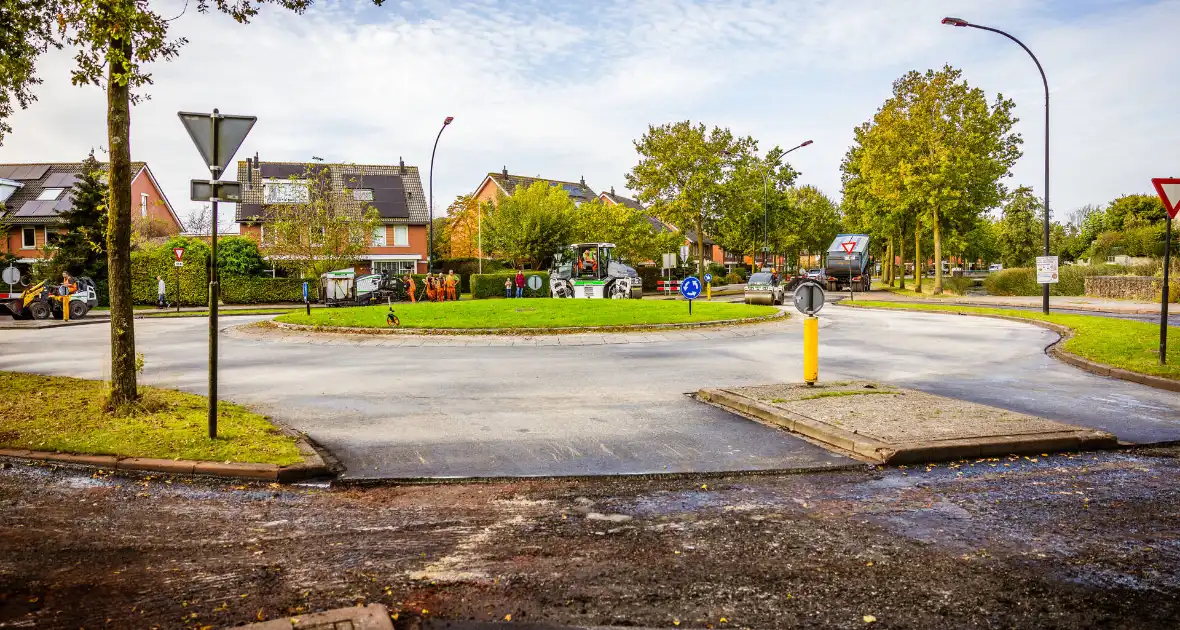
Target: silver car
point(764, 288)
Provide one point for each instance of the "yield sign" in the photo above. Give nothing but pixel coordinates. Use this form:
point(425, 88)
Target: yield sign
point(848, 245)
point(231, 131)
point(178, 252)
point(1168, 189)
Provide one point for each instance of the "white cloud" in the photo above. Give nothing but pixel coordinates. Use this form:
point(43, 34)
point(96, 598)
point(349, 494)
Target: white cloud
point(561, 89)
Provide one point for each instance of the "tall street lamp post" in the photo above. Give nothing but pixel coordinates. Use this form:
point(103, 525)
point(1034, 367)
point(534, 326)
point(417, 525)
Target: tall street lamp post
point(953, 21)
point(430, 202)
point(765, 181)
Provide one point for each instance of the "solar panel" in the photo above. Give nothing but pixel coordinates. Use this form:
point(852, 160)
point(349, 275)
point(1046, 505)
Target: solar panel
point(61, 180)
point(283, 171)
point(36, 209)
point(7, 171)
point(389, 196)
point(30, 171)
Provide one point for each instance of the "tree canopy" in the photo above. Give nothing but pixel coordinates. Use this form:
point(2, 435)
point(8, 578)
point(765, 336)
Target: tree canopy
point(530, 226)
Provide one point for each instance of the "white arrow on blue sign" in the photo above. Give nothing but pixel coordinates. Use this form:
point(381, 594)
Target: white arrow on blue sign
point(708, 277)
point(690, 288)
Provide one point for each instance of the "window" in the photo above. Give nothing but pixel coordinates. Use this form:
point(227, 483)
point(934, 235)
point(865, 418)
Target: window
point(50, 194)
point(285, 191)
point(143, 205)
point(379, 236)
point(401, 236)
point(29, 238)
point(395, 267)
point(51, 236)
point(362, 194)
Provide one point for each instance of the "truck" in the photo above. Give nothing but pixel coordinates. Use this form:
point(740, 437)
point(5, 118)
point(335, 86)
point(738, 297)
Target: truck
point(846, 264)
point(345, 288)
point(590, 270)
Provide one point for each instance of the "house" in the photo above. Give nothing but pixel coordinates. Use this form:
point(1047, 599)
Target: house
point(33, 196)
point(398, 246)
point(496, 184)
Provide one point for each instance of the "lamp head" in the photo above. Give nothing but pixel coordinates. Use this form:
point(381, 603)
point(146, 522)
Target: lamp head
point(954, 21)
point(805, 143)
point(448, 120)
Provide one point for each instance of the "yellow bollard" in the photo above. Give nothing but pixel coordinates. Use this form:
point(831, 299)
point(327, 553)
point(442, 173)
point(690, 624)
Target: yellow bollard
point(708, 290)
point(811, 350)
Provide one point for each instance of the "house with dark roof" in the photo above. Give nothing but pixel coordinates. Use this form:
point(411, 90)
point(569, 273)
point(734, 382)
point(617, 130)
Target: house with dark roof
point(33, 196)
point(497, 184)
point(399, 245)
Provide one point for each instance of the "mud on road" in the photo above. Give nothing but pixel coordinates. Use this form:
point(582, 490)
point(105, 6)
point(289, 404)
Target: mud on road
point(1069, 541)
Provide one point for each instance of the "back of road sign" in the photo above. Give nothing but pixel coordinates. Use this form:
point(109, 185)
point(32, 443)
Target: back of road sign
point(809, 298)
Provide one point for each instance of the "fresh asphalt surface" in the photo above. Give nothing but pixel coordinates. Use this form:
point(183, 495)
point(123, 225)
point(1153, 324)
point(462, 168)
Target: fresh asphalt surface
point(397, 412)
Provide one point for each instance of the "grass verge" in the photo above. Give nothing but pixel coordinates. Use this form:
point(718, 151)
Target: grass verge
point(529, 313)
point(1121, 343)
point(57, 413)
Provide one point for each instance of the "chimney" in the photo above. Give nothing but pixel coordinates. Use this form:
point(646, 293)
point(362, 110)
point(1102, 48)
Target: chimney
point(612, 191)
point(249, 172)
point(583, 181)
point(401, 165)
point(505, 171)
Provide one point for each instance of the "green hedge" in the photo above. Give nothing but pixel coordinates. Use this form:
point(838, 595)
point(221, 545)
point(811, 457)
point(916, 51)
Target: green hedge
point(146, 264)
point(247, 290)
point(466, 267)
point(1071, 279)
point(490, 285)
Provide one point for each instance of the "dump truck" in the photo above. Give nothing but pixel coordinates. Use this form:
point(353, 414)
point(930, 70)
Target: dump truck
point(589, 270)
point(847, 263)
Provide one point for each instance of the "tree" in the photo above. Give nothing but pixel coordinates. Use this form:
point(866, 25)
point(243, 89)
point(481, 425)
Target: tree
point(82, 249)
point(324, 230)
point(1132, 211)
point(113, 40)
point(239, 256)
point(1021, 234)
point(938, 149)
point(805, 221)
point(752, 189)
point(464, 218)
point(681, 176)
point(531, 226)
point(635, 238)
point(442, 238)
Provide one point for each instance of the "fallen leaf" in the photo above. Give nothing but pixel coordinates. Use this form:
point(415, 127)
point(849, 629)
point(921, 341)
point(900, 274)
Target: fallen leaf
point(870, 619)
point(676, 622)
point(425, 612)
point(393, 616)
point(260, 616)
point(704, 486)
point(724, 620)
point(508, 617)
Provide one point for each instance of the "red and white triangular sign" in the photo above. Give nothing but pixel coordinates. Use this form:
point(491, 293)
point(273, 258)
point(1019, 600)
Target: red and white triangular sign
point(848, 245)
point(1168, 189)
point(178, 252)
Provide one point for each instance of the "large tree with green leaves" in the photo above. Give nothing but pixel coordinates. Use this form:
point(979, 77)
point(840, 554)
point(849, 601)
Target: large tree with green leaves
point(530, 226)
point(1020, 229)
point(113, 41)
point(753, 200)
point(82, 249)
point(938, 150)
point(682, 176)
point(635, 238)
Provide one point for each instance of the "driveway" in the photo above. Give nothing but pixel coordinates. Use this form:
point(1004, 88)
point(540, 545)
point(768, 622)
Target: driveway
point(599, 409)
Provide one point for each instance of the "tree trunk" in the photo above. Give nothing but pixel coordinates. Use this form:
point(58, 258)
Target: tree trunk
point(901, 255)
point(937, 255)
point(917, 256)
point(123, 388)
point(888, 267)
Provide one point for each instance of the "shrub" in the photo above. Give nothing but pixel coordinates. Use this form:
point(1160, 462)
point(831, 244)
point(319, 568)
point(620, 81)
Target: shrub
point(490, 285)
point(718, 270)
point(239, 256)
point(147, 263)
point(1015, 281)
point(466, 267)
point(247, 290)
point(734, 278)
point(957, 284)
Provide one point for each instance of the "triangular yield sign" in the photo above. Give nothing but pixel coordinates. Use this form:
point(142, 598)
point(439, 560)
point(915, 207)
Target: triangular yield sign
point(178, 252)
point(231, 131)
point(1168, 189)
point(848, 246)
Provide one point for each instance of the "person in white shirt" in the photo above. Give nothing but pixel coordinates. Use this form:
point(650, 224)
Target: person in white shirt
point(160, 292)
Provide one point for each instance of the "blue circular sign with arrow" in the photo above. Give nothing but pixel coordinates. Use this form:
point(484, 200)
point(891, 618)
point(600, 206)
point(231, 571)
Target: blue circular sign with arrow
point(690, 288)
point(708, 277)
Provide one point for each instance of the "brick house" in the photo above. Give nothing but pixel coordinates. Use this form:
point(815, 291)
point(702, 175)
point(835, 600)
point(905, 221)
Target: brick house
point(496, 184)
point(398, 246)
point(33, 196)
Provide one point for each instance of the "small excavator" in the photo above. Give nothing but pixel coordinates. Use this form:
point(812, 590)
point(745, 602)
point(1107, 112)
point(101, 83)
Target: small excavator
point(39, 302)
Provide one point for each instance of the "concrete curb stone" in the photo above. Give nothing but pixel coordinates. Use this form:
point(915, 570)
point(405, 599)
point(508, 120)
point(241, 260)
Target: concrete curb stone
point(914, 452)
point(1054, 350)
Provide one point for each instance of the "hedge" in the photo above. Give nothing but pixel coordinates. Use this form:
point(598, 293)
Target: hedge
point(1071, 279)
point(194, 282)
point(249, 290)
point(490, 285)
point(466, 267)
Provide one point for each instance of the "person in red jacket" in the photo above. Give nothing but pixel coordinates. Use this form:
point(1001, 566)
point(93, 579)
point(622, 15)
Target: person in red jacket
point(520, 283)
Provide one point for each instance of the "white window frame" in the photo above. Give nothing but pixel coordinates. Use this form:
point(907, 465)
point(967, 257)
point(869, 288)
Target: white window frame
point(401, 236)
point(362, 194)
point(285, 191)
point(398, 267)
point(380, 236)
point(143, 198)
point(56, 194)
point(47, 243)
point(25, 231)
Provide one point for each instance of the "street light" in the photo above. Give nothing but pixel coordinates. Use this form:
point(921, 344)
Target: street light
point(954, 21)
point(765, 224)
point(430, 203)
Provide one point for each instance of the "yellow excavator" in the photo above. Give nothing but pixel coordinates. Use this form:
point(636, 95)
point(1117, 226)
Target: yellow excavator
point(38, 302)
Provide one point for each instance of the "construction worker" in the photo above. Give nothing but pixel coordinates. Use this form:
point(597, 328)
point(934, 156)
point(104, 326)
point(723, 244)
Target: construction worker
point(429, 287)
point(452, 285)
point(67, 281)
point(413, 288)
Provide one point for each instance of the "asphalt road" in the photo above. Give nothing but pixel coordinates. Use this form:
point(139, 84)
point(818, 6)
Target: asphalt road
point(501, 411)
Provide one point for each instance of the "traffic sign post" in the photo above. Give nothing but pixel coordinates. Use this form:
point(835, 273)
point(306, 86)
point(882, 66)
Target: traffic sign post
point(708, 286)
point(809, 299)
point(217, 137)
point(11, 277)
point(535, 282)
point(178, 253)
point(1168, 189)
point(1047, 270)
point(690, 288)
point(306, 302)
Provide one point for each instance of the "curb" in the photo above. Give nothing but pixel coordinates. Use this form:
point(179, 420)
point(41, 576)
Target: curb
point(312, 465)
point(915, 452)
point(1077, 307)
point(1064, 356)
point(530, 332)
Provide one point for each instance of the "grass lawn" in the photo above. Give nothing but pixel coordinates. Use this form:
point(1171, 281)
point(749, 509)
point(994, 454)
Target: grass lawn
point(528, 313)
point(56, 413)
point(908, 291)
point(1121, 343)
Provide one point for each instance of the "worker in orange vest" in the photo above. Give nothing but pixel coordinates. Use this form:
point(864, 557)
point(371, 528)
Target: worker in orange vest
point(412, 288)
point(452, 285)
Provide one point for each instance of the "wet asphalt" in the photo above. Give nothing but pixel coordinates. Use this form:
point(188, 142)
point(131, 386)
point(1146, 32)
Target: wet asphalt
point(410, 412)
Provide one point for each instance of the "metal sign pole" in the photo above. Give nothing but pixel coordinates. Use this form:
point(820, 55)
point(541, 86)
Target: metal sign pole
point(178, 289)
point(1164, 295)
point(215, 173)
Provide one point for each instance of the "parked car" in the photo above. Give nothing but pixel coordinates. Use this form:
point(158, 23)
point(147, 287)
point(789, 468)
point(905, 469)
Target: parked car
point(995, 267)
point(764, 288)
point(815, 274)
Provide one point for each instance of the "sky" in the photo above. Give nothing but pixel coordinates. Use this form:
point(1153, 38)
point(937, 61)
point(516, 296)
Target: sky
point(561, 89)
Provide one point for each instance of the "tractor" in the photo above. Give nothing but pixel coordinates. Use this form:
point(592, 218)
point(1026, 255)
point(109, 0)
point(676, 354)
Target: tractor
point(589, 270)
point(40, 302)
